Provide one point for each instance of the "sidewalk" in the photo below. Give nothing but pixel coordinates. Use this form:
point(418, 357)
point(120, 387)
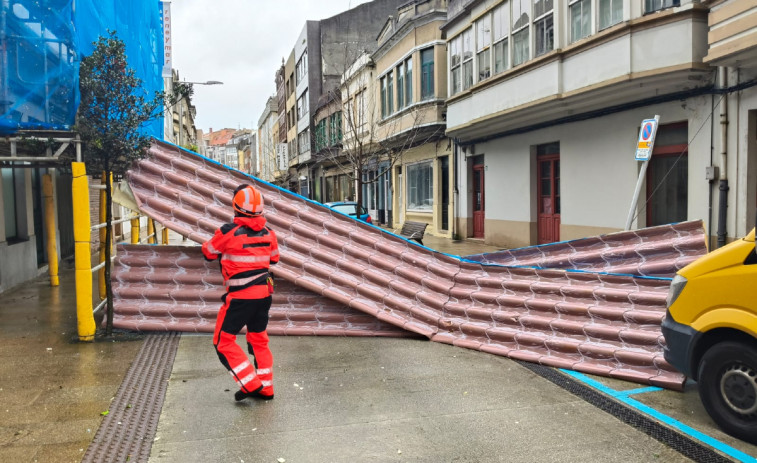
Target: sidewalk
point(53, 388)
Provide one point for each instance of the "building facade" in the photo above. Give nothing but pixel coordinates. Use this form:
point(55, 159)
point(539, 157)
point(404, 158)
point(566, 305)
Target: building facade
point(267, 135)
point(414, 179)
point(546, 102)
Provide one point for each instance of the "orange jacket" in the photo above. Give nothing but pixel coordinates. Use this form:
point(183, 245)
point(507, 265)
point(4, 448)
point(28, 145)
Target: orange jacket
point(247, 248)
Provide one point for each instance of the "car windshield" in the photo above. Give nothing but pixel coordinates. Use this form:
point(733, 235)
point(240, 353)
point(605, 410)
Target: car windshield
point(348, 209)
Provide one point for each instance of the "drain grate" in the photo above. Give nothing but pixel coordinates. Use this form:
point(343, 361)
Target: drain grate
point(127, 432)
point(670, 437)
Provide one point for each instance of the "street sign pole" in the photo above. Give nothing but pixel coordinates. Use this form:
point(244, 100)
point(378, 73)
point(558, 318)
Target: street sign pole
point(644, 149)
point(635, 200)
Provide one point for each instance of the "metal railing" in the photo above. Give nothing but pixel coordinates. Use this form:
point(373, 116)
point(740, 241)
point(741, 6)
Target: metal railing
point(83, 248)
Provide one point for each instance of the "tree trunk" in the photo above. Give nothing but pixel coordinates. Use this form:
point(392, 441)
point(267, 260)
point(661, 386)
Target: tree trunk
point(359, 188)
point(108, 245)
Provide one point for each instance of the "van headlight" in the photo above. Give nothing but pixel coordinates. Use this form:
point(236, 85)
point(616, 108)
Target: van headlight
point(676, 287)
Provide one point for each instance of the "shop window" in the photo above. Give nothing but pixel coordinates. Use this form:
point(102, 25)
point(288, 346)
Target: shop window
point(420, 196)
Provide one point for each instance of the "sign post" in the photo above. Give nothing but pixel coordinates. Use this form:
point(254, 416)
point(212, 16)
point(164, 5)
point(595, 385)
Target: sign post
point(644, 149)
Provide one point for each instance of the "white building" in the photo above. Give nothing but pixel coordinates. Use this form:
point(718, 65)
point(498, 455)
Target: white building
point(547, 98)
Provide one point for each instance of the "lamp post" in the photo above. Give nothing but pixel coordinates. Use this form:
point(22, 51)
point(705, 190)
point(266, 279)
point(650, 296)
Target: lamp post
point(181, 103)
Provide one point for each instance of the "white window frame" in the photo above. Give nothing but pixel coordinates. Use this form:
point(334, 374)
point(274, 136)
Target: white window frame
point(613, 21)
point(582, 4)
point(544, 18)
point(467, 63)
point(484, 47)
point(503, 41)
point(408, 167)
point(456, 66)
point(523, 29)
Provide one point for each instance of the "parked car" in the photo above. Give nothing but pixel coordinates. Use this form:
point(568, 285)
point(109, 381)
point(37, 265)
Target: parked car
point(711, 333)
point(350, 208)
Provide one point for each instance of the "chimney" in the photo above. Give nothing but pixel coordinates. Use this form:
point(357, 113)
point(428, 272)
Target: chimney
point(211, 130)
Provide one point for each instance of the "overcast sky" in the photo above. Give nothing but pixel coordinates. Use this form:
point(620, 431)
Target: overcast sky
point(240, 43)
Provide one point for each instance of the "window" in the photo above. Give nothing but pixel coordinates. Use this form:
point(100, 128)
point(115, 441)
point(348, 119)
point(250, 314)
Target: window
point(405, 83)
point(302, 105)
point(427, 73)
point(521, 9)
point(467, 58)
point(654, 5)
point(9, 204)
point(401, 86)
point(455, 62)
point(501, 21)
point(543, 27)
point(409, 81)
point(303, 141)
point(384, 105)
point(390, 92)
point(420, 186)
point(320, 135)
point(483, 50)
point(360, 101)
point(335, 128)
point(302, 67)
point(580, 19)
point(610, 13)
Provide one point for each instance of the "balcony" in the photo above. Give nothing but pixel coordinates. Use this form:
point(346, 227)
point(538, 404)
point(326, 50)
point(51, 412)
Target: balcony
point(646, 58)
point(732, 37)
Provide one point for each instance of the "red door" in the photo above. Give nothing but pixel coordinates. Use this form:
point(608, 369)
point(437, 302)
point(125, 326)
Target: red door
point(478, 201)
point(548, 222)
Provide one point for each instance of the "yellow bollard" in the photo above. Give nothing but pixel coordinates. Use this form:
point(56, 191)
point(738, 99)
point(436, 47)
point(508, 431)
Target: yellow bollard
point(135, 231)
point(101, 272)
point(52, 245)
point(151, 231)
point(82, 253)
point(165, 235)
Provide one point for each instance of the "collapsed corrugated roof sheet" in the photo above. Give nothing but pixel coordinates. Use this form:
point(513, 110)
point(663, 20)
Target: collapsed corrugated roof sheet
point(597, 323)
point(655, 251)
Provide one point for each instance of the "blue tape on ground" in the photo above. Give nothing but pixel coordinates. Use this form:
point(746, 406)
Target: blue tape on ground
point(663, 418)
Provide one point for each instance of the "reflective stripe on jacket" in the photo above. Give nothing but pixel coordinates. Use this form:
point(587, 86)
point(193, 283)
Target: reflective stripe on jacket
point(246, 248)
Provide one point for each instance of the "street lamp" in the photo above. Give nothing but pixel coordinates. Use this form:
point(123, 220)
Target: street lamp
point(181, 105)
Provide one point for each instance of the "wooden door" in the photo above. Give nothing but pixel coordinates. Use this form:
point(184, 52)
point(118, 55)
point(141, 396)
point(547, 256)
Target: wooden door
point(478, 201)
point(548, 178)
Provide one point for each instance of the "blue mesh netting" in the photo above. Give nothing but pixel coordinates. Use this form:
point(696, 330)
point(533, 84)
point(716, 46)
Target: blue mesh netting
point(42, 42)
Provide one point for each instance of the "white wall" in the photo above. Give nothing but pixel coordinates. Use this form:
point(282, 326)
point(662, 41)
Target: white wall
point(598, 169)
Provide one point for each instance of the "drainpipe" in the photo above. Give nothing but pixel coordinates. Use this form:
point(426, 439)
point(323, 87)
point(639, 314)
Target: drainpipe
point(456, 191)
point(723, 201)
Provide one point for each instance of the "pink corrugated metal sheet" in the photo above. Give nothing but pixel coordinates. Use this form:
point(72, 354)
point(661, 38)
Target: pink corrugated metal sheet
point(597, 323)
point(655, 251)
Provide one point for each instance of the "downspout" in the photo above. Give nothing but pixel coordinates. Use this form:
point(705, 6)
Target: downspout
point(711, 180)
point(723, 201)
point(455, 192)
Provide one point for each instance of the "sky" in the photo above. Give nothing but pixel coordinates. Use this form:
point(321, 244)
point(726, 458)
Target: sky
point(240, 43)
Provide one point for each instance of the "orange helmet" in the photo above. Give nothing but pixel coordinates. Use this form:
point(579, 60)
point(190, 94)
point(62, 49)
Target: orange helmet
point(248, 202)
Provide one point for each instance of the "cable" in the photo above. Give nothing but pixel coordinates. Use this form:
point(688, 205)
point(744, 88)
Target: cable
point(678, 158)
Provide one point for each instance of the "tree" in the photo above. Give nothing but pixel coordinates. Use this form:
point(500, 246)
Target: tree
point(113, 108)
point(359, 138)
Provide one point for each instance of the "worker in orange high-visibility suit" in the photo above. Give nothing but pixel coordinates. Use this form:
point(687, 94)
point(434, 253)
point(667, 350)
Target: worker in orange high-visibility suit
point(246, 248)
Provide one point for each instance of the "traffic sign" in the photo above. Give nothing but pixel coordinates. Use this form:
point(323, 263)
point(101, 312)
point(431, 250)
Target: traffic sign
point(646, 139)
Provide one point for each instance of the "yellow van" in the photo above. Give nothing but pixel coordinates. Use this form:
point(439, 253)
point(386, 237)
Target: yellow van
point(711, 333)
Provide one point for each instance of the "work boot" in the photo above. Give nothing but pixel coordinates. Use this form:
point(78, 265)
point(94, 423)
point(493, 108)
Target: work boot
point(242, 394)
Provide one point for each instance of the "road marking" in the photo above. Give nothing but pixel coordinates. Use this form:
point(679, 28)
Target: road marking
point(622, 396)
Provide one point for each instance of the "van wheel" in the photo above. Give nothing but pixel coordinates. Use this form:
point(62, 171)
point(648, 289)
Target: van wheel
point(728, 388)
